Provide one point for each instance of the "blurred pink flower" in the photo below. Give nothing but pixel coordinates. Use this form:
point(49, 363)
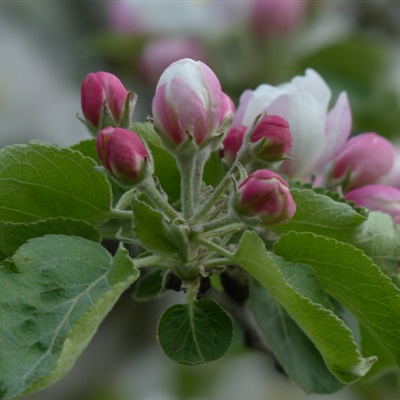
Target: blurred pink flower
point(158, 54)
point(318, 136)
point(364, 159)
point(276, 17)
point(377, 198)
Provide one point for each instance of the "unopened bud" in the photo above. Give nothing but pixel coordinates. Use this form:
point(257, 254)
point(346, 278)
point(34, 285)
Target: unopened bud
point(232, 143)
point(123, 154)
point(273, 134)
point(103, 99)
point(265, 195)
point(188, 103)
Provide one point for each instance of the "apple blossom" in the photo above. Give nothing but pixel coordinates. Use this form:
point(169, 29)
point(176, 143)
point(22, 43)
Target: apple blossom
point(317, 135)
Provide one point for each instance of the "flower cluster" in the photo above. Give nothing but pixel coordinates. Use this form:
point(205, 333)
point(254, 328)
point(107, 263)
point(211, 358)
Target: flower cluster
point(286, 130)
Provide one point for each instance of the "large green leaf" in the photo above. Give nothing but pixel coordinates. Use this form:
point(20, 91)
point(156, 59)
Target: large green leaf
point(292, 348)
point(330, 335)
point(14, 234)
point(322, 215)
point(39, 181)
point(196, 332)
point(348, 275)
point(54, 293)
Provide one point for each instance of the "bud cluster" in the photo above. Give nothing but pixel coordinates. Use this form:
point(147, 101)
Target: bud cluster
point(192, 117)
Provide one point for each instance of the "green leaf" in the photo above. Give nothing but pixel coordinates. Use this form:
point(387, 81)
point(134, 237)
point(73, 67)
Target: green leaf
point(320, 214)
point(54, 293)
point(154, 232)
point(195, 333)
point(348, 275)
point(294, 351)
point(87, 148)
point(149, 286)
point(330, 335)
point(40, 181)
point(166, 169)
point(377, 237)
point(14, 235)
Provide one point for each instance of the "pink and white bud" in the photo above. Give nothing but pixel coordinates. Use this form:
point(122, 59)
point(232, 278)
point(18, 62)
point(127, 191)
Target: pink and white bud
point(188, 102)
point(364, 159)
point(232, 143)
point(377, 198)
point(276, 17)
point(266, 196)
point(102, 99)
point(160, 53)
point(275, 133)
point(123, 154)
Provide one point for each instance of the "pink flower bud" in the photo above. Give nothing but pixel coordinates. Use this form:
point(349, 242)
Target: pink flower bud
point(188, 102)
point(266, 195)
point(232, 143)
point(366, 158)
point(102, 99)
point(276, 133)
point(122, 153)
point(377, 198)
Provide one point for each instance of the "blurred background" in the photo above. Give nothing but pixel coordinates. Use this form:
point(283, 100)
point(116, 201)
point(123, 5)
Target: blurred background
point(47, 48)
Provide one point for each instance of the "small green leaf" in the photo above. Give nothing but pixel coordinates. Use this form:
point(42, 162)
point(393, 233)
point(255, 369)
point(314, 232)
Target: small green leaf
point(195, 333)
point(149, 286)
point(54, 293)
point(153, 231)
point(166, 169)
point(294, 351)
point(348, 275)
point(39, 181)
point(150, 228)
point(330, 335)
point(14, 235)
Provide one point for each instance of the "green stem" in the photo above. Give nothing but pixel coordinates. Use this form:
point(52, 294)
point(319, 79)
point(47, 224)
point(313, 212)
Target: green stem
point(125, 200)
point(147, 261)
point(119, 214)
point(215, 196)
point(186, 164)
point(216, 263)
point(148, 187)
point(197, 179)
point(213, 246)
